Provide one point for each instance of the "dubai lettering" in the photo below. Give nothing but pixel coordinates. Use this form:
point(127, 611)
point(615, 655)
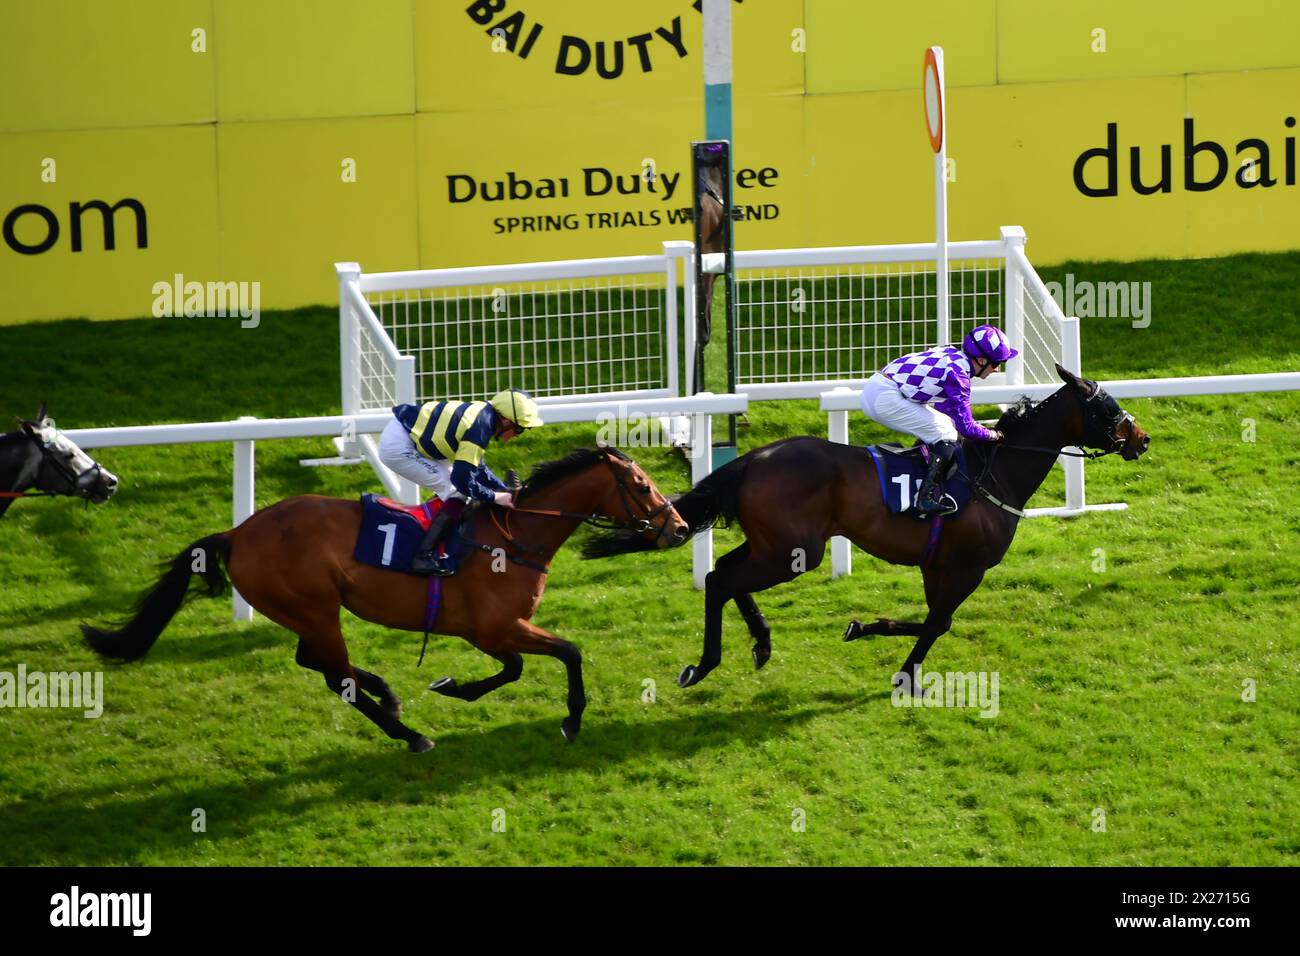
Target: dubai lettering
point(596, 181)
point(1254, 164)
point(576, 55)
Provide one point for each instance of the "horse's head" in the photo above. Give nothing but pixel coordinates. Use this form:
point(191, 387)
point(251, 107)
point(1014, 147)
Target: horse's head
point(1100, 422)
point(65, 469)
point(637, 504)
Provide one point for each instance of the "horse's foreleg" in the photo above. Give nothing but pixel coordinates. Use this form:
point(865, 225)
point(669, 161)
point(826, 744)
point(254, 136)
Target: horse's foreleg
point(512, 665)
point(524, 638)
point(944, 592)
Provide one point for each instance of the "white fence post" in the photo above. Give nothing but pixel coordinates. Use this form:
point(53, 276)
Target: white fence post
point(837, 430)
point(689, 318)
point(701, 466)
point(349, 273)
point(1013, 291)
point(407, 492)
point(1070, 349)
point(242, 506)
point(678, 255)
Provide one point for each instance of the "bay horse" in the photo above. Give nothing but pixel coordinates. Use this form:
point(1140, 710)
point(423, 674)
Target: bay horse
point(293, 561)
point(39, 456)
point(792, 496)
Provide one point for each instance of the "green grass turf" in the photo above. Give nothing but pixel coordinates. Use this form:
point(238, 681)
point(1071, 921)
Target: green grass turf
point(1119, 689)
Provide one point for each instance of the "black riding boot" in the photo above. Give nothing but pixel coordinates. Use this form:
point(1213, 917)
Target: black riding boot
point(929, 500)
point(427, 560)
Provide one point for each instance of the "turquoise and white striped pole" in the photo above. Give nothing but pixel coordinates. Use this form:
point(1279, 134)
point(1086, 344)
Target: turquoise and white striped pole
point(717, 69)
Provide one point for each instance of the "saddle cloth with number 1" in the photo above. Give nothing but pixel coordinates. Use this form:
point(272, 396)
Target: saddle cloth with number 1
point(901, 472)
point(391, 532)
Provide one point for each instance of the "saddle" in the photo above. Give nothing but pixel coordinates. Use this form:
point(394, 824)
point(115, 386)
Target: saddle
point(901, 471)
point(391, 532)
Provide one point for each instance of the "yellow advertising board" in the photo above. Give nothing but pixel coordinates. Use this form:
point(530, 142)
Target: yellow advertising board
point(86, 64)
point(283, 58)
point(1108, 39)
point(93, 219)
point(433, 134)
point(298, 197)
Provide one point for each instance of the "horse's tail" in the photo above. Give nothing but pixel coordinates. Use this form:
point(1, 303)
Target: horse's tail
point(715, 499)
point(157, 606)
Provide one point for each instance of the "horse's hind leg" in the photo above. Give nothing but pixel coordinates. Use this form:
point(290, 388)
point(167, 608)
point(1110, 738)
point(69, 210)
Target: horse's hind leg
point(374, 684)
point(512, 665)
point(759, 629)
point(322, 649)
point(737, 575)
point(753, 617)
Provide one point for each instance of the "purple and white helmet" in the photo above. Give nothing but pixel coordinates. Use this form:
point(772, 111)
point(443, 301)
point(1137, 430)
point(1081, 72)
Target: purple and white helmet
point(988, 342)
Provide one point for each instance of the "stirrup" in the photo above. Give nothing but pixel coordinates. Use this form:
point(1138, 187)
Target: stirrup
point(944, 506)
point(433, 564)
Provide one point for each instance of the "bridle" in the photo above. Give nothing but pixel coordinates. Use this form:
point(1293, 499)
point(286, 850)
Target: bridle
point(638, 525)
point(77, 483)
point(1095, 415)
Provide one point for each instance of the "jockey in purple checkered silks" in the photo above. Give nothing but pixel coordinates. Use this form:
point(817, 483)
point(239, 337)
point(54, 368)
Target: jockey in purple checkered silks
point(927, 394)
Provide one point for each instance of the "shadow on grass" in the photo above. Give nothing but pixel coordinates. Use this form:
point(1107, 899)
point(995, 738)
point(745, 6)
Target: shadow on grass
point(121, 822)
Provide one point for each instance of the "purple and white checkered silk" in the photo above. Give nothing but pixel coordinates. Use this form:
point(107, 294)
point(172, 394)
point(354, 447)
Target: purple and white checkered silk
point(920, 376)
point(939, 377)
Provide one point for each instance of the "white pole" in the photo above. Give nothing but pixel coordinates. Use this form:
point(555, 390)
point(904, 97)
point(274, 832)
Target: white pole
point(688, 303)
point(349, 370)
point(1013, 291)
point(1072, 360)
point(407, 491)
point(242, 506)
point(837, 430)
point(701, 465)
point(677, 252)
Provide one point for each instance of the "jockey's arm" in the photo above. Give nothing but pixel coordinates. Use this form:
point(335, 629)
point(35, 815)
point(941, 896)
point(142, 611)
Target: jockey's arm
point(955, 403)
point(469, 475)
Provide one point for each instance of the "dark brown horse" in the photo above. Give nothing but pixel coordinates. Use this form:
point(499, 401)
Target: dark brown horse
point(792, 496)
point(294, 562)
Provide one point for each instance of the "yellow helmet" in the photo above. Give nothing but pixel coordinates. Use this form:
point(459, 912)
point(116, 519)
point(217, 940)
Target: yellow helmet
point(518, 406)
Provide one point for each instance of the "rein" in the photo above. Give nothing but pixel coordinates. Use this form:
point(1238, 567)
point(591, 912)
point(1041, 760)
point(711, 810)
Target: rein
point(1116, 443)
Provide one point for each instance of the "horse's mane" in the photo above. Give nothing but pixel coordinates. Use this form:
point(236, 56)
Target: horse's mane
point(1020, 414)
point(549, 472)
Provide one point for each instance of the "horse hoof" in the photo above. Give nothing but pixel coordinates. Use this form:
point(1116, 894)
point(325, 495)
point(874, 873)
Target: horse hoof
point(569, 730)
point(687, 677)
point(420, 744)
point(853, 631)
point(761, 654)
point(443, 684)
